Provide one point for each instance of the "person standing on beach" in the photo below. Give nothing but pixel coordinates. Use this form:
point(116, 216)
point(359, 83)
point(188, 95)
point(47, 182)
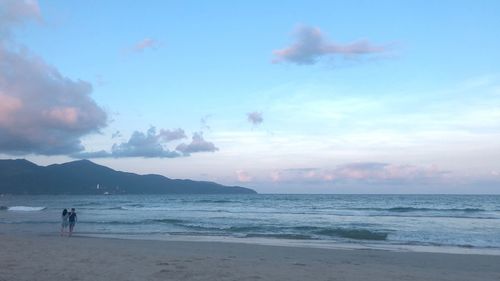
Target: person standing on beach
point(72, 220)
point(64, 221)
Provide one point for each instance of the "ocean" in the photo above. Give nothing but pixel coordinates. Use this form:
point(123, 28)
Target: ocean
point(463, 223)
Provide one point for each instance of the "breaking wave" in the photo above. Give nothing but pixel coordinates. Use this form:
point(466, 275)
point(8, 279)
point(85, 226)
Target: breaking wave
point(412, 209)
point(25, 208)
point(357, 234)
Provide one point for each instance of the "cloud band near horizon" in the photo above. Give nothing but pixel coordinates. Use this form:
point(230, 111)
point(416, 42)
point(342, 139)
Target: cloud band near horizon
point(153, 145)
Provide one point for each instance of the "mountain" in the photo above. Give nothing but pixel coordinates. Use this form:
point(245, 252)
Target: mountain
point(85, 177)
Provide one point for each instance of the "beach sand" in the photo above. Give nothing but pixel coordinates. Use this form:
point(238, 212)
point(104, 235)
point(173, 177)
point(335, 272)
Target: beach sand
point(34, 257)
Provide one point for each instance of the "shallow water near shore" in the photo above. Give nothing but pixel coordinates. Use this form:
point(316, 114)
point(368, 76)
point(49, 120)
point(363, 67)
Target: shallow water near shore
point(456, 223)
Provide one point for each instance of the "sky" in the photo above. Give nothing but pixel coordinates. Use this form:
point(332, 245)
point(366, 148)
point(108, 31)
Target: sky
point(281, 97)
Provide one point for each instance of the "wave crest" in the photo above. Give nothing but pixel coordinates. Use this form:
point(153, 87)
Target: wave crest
point(413, 209)
point(357, 234)
point(26, 208)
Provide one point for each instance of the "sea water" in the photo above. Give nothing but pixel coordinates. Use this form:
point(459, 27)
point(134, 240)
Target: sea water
point(440, 221)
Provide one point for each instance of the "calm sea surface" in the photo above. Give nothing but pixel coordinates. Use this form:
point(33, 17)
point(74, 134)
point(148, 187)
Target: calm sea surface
point(460, 221)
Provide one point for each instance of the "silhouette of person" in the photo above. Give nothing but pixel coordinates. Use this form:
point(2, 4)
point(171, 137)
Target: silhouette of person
point(72, 220)
point(64, 221)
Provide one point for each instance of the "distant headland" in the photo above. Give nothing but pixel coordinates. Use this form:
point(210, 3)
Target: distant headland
point(21, 176)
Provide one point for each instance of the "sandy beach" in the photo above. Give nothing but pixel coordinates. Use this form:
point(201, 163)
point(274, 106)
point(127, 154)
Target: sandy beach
point(35, 257)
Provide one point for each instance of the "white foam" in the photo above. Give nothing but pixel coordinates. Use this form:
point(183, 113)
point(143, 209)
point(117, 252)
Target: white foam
point(25, 208)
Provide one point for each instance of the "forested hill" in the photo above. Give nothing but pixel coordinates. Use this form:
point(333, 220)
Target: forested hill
point(85, 177)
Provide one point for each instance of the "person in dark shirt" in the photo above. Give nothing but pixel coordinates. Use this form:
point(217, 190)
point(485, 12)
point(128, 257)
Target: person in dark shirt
point(64, 221)
point(72, 220)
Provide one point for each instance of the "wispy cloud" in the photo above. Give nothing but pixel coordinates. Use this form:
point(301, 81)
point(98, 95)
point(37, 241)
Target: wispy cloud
point(255, 117)
point(360, 172)
point(204, 122)
point(243, 176)
point(311, 44)
point(146, 43)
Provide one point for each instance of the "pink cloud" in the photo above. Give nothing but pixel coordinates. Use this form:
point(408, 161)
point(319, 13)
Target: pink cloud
point(63, 115)
point(8, 106)
point(311, 44)
point(243, 176)
point(359, 172)
point(275, 176)
point(42, 111)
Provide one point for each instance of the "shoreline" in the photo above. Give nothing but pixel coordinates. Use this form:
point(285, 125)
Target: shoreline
point(280, 242)
point(31, 256)
point(313, 244)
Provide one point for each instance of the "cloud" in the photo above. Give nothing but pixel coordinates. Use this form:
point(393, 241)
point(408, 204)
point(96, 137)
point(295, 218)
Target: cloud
point(198, 144)
point(146, 43)
point(298, 175)
point(93, 154)
point(168, 135)
point(360, 172)
point(147, 145)
point(311, 44)
point(41, 111)
point(255, 117)
point(100, 81)
point(243, 176)
point(153, 145)
point(17, 12)
point(116, 134)
point(204, 122)
point(384, 171)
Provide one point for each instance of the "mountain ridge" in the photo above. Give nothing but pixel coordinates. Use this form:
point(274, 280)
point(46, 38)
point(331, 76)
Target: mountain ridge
point(20, 176)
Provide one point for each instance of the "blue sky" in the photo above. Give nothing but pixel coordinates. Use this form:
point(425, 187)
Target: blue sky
point(302, 96)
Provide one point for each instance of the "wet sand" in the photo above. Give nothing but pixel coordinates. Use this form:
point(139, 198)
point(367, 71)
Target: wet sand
point(35, 257)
